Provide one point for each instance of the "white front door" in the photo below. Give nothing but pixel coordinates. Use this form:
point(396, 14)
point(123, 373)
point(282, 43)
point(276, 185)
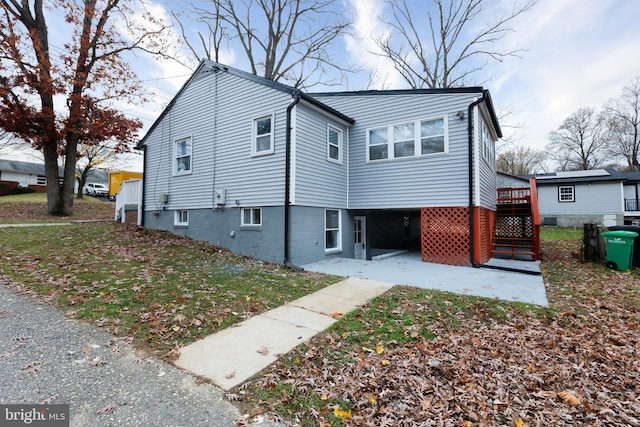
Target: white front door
point(360, 237)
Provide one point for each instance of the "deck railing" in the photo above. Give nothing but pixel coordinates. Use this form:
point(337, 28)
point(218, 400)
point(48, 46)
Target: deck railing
point(128, 200)
point(631, 205)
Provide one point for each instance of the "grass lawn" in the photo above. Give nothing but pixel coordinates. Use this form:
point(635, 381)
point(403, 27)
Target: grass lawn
point(410, 357)
point(32, 207)
point(163, 290)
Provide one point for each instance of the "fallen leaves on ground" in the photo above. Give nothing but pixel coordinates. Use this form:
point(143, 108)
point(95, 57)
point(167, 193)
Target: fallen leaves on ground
point(575, 364)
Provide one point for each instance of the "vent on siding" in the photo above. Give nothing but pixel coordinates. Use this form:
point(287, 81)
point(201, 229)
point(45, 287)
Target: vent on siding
point(550, 220)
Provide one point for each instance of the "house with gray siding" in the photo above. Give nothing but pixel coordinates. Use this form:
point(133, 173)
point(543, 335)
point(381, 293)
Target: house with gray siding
point(290, 177)
point(602, 196)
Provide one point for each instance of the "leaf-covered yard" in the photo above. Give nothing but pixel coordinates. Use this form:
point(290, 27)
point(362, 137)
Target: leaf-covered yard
point(423, 358)
point(411, 357)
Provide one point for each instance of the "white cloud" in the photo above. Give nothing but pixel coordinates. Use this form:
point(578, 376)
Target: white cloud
point(362, 48)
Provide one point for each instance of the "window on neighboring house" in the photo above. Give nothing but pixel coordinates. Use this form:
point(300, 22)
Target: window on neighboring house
point(41, 180)
point(411, 139)
point(183, 149)
point(566, 193)
point(181, 218)
point(334, 141)
point(332, 240)
point(263, 135)
point(251, 216)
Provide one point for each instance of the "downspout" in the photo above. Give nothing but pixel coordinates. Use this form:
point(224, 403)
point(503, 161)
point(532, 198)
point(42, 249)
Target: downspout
point(144, 174)
point(472, 224)
point(287, 176)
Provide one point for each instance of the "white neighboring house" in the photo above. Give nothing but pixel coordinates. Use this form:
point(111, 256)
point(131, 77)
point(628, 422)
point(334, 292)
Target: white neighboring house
point(602, 196)
point(26, 174)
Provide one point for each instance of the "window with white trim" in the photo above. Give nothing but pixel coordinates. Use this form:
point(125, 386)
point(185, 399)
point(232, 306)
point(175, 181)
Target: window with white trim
point(334, 142)
point(181, 218)
point(182, 156)
point(410, 139)
point(566, 193)
point(251, 217)
point(263, 135)
point(41, 180)
point(332, 230)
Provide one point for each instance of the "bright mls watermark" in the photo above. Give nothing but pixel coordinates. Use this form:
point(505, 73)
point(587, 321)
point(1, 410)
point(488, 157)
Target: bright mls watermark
point(34, 415)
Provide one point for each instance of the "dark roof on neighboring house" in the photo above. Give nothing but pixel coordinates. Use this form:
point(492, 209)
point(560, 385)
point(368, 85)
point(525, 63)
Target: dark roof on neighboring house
point(595, 175)
point(38, 169)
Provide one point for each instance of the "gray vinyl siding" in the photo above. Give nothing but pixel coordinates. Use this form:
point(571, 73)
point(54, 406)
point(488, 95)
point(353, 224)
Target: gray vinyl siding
point(217, 110)
point(318, 181)
point(594, 198)
point(428, 181)
point(487, 170)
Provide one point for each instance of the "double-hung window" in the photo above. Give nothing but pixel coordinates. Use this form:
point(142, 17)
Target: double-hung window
point(182, 156)
point(410, 139)
point(263, 135)
point(332, 231)
point(251, 217)
point(334, 142)
point(566, 193)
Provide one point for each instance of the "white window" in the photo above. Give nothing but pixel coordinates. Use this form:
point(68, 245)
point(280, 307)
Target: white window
point(41, 180)
point(332, 240)
point(182, 158)
point(251, 216)
point(566, 193)
point(486, 145)
point(181, 218)
point(411, 139)
point(263, 135)
point(334, 142)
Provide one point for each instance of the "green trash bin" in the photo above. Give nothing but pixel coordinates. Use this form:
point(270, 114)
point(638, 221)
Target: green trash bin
point(619, 249)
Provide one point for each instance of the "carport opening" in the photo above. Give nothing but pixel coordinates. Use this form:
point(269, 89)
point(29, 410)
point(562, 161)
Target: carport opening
point(392, 232)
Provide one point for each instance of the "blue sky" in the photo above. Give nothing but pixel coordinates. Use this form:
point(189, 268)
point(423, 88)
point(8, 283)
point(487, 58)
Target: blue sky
point(579, 53)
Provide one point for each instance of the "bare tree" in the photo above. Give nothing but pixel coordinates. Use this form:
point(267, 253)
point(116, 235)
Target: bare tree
point(93, 156)
point(580, 143)
point(521, 161)
point(6, 140)
point(446, 47)
point(623, 123)
point(283, 40)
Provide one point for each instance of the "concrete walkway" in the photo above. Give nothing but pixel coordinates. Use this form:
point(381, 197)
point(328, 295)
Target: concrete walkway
point(233, 355)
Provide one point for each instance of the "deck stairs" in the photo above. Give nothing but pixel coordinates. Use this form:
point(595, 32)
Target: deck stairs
point(517, 230)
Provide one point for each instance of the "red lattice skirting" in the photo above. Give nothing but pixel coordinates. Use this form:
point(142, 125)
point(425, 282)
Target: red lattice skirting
point(485, 223)
point(445, 235)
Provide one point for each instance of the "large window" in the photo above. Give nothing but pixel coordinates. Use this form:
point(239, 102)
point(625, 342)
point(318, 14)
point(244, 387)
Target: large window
point(251, 217)
point(182, 159)
point(411, 139)
point(263, 135)
point(181, 218)
point(566, 193)
point(334, 142)
point(332, 240)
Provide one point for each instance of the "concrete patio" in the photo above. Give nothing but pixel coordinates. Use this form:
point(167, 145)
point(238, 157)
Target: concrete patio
point(408, 269)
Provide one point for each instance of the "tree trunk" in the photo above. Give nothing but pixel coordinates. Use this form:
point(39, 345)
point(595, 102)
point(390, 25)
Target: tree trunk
point(54, 193)
point(69, 174)
point(593, 244)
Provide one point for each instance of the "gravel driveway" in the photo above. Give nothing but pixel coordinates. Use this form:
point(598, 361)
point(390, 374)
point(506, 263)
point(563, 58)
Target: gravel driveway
point(48, 358)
